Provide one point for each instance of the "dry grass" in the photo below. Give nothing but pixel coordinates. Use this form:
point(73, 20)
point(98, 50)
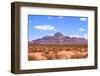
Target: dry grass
point(51, 52)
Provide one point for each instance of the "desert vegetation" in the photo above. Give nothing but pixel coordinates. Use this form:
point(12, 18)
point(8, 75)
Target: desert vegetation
point(54, 51)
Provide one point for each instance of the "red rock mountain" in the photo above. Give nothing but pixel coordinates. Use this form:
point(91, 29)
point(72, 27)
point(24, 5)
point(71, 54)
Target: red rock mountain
point(59, 38)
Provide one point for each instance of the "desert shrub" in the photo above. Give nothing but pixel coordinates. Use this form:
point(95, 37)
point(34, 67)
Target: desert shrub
point(36, 56)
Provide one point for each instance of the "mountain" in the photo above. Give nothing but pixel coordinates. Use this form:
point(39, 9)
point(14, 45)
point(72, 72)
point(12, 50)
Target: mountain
point(59, 38)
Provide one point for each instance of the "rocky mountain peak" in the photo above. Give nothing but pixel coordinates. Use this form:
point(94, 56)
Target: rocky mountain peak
point(58, 34)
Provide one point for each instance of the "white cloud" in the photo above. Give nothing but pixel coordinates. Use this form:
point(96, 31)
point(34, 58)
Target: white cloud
point(49, 17)
point(83, 19)
point(45, 27)
point(74, 35)
point(85, 36)
point(51, 34)
point(78, 36)
point(60, 17)
point(81, 29)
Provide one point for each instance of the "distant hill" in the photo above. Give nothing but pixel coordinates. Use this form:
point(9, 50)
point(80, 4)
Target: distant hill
point(59, 38)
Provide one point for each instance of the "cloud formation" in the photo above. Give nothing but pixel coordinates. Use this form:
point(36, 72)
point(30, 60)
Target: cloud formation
point(49, 17)
point(83, 19)
point(81, 29)
point(85, 36)
point(74, 35)
point(78, 36)
point(45, 27)
point(60, 17)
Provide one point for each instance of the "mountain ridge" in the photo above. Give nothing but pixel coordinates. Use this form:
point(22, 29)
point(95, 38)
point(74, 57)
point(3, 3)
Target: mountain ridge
point(59, 38)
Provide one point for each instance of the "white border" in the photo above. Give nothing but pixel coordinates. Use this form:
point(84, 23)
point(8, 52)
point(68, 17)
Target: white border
point(25, 64)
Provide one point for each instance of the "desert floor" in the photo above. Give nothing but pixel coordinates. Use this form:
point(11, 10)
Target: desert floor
point(54, 51)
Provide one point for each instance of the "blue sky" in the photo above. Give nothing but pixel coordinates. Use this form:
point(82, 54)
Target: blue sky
point(41, 25)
